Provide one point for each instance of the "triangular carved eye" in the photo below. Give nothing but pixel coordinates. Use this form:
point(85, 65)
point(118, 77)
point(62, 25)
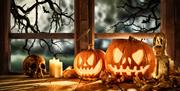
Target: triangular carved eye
point(138, 56)
point(80, 61)
point(117, 55)
point(90, 60)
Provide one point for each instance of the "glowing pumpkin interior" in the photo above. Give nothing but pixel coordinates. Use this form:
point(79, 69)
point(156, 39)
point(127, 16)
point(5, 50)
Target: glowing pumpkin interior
point(89, 63)
point(130, 58)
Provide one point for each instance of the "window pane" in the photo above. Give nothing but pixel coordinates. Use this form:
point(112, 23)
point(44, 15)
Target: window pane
point(57, 18)
point(112, 16)
point(104, 43)
point(64, 48)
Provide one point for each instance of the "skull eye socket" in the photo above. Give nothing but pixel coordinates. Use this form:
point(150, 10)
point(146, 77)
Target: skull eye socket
point(117, 55)
point(33, 66)
point(43, 66)
point(90, 60)
point(138, 56)
point(161, 41)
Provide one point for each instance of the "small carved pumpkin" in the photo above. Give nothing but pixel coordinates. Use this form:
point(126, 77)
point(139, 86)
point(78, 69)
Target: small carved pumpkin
point(89, 63)
point(130, 58)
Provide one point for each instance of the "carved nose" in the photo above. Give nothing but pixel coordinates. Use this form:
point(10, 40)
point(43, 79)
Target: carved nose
point(129, 60)
point(38, 70)
point(84, 64)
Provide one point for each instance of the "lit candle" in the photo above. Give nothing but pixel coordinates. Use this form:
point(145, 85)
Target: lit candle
point(58, 70)
point(51, 66)
point(55, 68)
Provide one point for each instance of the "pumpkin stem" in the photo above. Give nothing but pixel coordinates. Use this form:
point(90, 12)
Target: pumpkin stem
point(90, 47)
point(132, 38)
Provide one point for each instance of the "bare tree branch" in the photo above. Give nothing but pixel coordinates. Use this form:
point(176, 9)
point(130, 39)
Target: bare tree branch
point(137, 10)
point(24, 23)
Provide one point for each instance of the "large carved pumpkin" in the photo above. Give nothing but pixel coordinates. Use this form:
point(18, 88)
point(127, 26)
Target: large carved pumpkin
point(130, 58)
point(89, 63)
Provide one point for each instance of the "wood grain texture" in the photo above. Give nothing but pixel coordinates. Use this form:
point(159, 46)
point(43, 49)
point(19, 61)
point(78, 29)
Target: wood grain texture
point(22, 82)
point(71, 35)
point(123, 35)
point(177, 32)
point(4, 36)
point(167, 14)
point(41, 35)
point(84, 21)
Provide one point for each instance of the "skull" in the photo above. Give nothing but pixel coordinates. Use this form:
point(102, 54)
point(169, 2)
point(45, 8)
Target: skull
point(34, 66)
point(159, 44)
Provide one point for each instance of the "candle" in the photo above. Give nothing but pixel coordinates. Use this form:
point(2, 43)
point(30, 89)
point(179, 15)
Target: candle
point(58, 70)
point(55, 68)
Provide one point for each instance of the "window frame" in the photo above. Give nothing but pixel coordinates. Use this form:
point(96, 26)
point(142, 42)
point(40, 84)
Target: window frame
point(164, 28)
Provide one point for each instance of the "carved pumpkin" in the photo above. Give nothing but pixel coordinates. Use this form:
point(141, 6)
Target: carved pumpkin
point(130, 58)
point(89, 63)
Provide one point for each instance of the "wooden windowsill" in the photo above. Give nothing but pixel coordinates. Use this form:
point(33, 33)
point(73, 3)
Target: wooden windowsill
point(22, 82)
point(71, 35)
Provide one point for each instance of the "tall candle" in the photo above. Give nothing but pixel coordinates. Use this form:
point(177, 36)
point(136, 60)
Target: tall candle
point(58, 70)
point(51, 66)
point(55, 68)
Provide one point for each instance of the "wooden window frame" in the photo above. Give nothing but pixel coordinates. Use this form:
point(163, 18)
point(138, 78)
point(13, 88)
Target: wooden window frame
point(89, 17)
point(167, 26)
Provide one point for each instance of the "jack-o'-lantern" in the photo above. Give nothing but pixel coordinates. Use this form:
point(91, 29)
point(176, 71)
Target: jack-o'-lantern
point(89, 63)
point(130, 58)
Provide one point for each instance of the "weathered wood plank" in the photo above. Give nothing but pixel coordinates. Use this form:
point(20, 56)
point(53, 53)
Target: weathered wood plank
point(167, 13)
point(71, 35)
point(22, 82)
point(41, 35)
point(123, 35)
point(177, 33)
point(4, 37)
point(84, 21)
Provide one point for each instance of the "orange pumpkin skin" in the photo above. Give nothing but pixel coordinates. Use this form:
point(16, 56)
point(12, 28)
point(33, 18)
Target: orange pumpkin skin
point(89, 63)
point(130, 58)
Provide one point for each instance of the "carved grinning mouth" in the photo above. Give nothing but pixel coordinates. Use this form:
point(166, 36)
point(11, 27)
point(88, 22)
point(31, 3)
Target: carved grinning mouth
point(90, 71)
point(129, 71)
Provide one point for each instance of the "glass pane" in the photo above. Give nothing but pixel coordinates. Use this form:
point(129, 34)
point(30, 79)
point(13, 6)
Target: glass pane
point(56, 17)
point(64, 49)
point(131, 16)
point(104, 43)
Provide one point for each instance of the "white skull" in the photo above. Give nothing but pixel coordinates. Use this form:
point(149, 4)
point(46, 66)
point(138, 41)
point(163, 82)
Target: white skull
point(34, 66)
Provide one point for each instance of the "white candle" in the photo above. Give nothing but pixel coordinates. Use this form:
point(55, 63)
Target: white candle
point(58, 70)
point(51, 66)
point(55, 68)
